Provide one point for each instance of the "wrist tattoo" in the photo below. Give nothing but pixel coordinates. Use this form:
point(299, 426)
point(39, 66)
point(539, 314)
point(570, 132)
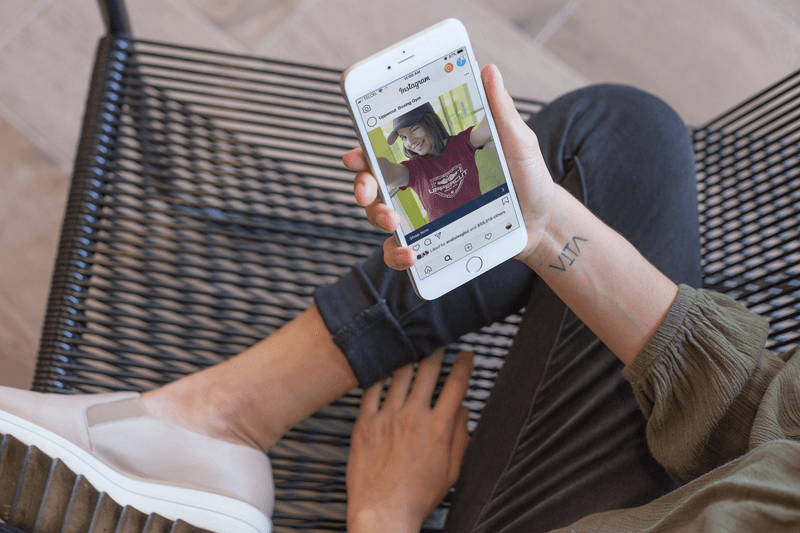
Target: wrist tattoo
point(569, 254)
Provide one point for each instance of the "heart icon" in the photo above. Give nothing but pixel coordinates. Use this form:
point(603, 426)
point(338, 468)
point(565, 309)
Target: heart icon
point(488, 236)
point(415, 247)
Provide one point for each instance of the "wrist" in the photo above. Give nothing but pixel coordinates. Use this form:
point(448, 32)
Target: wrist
point(385, 521)
point(549, 243)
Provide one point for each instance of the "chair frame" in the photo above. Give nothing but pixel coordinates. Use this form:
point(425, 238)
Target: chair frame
point(208, 201)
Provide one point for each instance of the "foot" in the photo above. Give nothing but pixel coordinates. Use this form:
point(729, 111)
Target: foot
point(215, 405)
point(97, 462)
point(254, 398)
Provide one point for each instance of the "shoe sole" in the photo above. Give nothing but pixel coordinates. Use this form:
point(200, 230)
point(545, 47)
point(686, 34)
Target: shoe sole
point(50, 485)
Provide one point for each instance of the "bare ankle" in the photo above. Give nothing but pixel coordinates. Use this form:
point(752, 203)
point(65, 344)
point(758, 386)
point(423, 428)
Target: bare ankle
point(238, 419)
point(210, 409)
point(256, 396)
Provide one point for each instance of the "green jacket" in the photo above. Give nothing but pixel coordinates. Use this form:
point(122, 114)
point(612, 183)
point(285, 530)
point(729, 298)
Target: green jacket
point(723, 418)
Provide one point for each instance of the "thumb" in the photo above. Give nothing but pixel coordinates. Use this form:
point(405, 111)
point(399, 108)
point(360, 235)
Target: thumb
point(518, 140)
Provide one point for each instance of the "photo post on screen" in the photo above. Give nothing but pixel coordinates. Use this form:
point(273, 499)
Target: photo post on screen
point(438, 158)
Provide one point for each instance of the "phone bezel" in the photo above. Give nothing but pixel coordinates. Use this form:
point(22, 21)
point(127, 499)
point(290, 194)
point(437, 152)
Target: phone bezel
point(386, 67)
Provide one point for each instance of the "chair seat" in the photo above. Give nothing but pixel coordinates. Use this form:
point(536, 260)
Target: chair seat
point(209, 200)
point(748, 174)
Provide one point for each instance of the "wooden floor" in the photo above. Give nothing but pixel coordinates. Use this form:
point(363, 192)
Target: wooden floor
point(701, 56)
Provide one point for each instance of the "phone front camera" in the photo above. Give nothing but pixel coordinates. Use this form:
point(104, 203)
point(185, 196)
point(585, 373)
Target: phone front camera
point(389, 67)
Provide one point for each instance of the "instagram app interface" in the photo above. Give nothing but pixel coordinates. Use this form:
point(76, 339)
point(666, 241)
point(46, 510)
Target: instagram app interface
point(429, 133)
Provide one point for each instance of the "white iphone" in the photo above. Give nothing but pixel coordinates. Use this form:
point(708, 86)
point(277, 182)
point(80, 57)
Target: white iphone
point(425, 126)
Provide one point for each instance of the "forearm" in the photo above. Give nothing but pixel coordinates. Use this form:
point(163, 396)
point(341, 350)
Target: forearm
point(606, 282)
point(395, 175)
point(481, 134)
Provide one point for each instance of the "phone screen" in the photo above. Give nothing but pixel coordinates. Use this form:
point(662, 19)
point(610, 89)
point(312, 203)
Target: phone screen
point(432, 122)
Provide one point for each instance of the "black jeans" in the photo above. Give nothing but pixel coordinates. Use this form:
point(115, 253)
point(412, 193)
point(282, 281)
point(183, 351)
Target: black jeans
point(561, 436)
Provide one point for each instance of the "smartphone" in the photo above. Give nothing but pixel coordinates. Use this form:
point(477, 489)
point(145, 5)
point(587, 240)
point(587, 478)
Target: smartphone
point(424, 123)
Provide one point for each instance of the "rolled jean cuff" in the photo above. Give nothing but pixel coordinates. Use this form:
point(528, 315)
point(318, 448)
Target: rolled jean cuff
point(380, 324)
point(363, 327)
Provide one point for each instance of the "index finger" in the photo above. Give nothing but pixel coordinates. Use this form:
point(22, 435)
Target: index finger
point(355, 160)
point(455, 388)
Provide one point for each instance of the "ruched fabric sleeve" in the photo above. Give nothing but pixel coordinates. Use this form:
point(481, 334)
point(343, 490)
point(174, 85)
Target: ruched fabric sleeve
point(700, 380)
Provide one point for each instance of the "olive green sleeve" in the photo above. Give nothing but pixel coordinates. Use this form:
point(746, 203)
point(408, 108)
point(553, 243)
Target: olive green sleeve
point(699, 381)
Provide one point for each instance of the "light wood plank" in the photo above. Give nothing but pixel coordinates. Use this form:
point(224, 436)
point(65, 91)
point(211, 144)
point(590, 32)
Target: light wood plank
point(249, 22)
point(700, 56)
point(787, 8)
point(180, 22)
point(319, 37)
point(17, 350)
point(33, 192)
point(11, 11)
point(47, 66)
point(529, 17)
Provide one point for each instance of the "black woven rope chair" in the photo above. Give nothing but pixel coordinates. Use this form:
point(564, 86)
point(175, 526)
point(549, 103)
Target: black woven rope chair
point(748, 163)
point(208, 201)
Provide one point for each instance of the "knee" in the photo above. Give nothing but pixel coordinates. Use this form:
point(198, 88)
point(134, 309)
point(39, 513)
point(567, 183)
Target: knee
point(630, 108)
point(610, 117)
point(638, 106)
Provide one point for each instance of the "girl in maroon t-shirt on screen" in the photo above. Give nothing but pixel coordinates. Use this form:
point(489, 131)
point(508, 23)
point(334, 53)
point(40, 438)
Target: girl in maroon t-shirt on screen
point(441, 168)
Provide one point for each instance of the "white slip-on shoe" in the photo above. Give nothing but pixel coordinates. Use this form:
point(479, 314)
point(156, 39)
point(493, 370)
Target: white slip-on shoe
point(88, 463)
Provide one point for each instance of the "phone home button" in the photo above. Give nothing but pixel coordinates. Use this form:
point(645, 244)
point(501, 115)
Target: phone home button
point(474, 264)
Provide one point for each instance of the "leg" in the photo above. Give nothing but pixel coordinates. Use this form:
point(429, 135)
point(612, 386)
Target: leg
point(250, 399)
point(574, 442)
point(362, 328)
point(375, 323)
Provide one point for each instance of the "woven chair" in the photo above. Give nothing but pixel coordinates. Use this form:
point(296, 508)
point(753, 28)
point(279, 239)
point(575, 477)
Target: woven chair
point(208, 201)
point(748, 173)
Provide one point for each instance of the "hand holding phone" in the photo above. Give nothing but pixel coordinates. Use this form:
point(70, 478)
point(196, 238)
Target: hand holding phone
point(534, 185)
point(428, 137)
